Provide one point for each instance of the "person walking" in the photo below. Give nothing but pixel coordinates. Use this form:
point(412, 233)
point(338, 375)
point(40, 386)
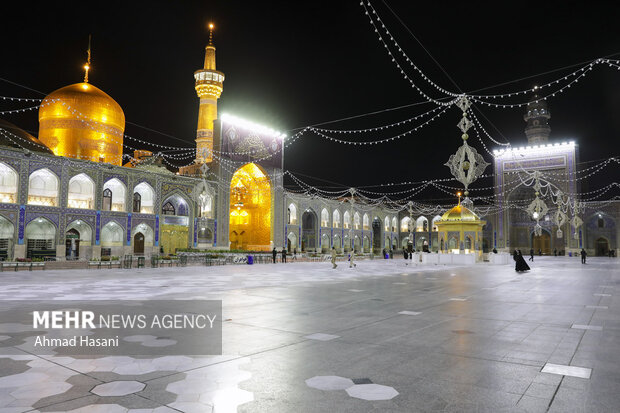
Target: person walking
point(284, 255)
point(351, 263)
point(555, 252)
point(531, 254)
point(274, 253)
point(539, 252)
point(583, 256)
point(406, 255)
point(294, 254)
point(334, 265)
point(520, 264)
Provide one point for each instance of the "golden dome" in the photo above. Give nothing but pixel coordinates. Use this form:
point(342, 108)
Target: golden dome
point(81, 121)
point(459, 213)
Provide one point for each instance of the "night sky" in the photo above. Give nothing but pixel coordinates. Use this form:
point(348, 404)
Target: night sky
point(292, 64)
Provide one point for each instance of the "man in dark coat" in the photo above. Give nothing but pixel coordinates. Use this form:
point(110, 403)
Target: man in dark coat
point(531, 254)
point(284, 255)
point(274, 253)
point(583, 256)
point(520, 264)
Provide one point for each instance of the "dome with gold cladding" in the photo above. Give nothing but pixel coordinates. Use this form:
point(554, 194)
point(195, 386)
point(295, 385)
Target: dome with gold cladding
point(81, 121)
point(459, 213)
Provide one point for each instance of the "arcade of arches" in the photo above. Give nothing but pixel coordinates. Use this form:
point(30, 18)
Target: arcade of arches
point(250, 209)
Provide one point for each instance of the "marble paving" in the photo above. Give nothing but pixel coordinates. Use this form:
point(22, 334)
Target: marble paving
point(380, 337)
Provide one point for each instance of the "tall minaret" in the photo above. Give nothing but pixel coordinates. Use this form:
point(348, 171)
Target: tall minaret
point(537, 118)
point(209, 86)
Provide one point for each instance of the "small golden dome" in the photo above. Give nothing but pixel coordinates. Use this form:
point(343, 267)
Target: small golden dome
point(81, 121)
point(459, 213)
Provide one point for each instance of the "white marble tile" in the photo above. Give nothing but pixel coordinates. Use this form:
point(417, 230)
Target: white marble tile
point(372, 392)
point(582, 372)
point(329, 382)
point(409, 312)
point(602, 295)
point(458, 299)
point(321, 336)
point(597, 307)
point(355, 291)
point(586, 327)
point(118, 388)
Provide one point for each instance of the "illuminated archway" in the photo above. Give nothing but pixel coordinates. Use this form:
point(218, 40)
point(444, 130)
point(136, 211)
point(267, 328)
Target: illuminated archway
point(250, 209)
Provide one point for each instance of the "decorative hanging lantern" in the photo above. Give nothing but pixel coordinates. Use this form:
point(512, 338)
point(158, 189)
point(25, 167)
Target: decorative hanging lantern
point(466, 165)
point(559, 219)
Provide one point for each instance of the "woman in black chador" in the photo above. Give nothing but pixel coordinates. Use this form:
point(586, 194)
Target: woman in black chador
point(520, 264)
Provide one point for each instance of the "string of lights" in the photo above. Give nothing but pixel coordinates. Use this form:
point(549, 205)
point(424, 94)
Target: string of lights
point(378, 128)
point(380, 141)
point(399, 67)
point(402, 52)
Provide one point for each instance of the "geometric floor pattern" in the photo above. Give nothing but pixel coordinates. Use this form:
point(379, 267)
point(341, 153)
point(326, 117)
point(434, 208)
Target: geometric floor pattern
point(364, 391)
point(427, 338)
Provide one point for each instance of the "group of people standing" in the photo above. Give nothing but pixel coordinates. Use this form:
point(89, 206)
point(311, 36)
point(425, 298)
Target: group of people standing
point(274, 254)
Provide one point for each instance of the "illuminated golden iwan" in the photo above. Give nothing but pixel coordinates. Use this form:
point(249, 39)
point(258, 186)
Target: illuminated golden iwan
point(250, 209)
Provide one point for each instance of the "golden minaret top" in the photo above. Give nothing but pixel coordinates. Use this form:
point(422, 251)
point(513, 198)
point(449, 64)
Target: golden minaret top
point(210, 51)
point(87, 65)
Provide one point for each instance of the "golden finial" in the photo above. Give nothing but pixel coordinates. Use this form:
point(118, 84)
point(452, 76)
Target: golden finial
point(459, 195)
point(211, 26)
point(87, 65)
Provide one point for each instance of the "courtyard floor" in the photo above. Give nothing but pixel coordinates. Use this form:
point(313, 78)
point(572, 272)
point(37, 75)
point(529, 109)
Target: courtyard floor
point(381, 337)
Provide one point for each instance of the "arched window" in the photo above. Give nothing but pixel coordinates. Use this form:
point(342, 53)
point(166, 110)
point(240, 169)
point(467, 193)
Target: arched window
point(81, 192)
point(206, 205)
point(386, 224)
point(437, 218)
point(468, 243)
point(356, 221)
point(137, 202)
point(40, 235)
point(168, 209)
point(112, 235)
point(336, 219)
point(43, 188)
point(601, 222)
point(394, 224)
point(324, 218)
point(8, 184)
point(147, 198)
point(366, 222)
point(346, 220)
point(421, 224)
point(118, 190)
point(404, 224)
point(107, 199)
point(292, 214)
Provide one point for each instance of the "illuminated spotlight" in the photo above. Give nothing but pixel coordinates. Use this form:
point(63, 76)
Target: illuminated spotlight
point(255, 127)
